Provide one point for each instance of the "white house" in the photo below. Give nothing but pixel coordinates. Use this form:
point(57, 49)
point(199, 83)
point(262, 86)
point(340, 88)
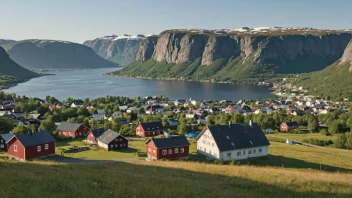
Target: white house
point(232, 141)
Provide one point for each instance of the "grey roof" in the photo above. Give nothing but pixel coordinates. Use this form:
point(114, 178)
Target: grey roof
point(7, 136)
point(237, 136)
point(65, 126)
point(108, 136)
point(173, 141)
point(37, 138)
point(98, 132)
point(152, 126)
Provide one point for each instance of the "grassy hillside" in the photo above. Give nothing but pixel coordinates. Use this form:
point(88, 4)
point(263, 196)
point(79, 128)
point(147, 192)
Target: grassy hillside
point(233, 70)
point(335, 81)
point(166, 179)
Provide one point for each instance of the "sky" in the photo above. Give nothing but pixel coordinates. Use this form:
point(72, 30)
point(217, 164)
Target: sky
point(80, 20)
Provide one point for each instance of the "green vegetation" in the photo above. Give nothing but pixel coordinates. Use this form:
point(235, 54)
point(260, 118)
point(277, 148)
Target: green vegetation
point(232, 70)
point(175, 178)
point(333, 82)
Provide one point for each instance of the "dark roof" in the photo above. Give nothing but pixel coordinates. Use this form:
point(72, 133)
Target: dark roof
point(290, 124)
point(152, 126)
point(109, 136)
point(173, 141)
point(65, 126)
point(7, 136)
point(99, 132)
point(237, 136)
point(37, 138)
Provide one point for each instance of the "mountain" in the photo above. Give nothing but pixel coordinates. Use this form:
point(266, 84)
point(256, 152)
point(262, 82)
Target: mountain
point(119, 49)
point(11, 72)
point(4, 41)
point(237, 56)
point(49, 54)
point(334, 81)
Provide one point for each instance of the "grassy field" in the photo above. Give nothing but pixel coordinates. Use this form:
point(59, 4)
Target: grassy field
point(166, 179)
point(300, 137)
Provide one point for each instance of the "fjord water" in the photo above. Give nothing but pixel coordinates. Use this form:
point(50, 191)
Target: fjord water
point(92, 84)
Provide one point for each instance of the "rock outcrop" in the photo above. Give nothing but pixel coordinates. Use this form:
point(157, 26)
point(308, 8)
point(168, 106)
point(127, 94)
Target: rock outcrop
point(146, 48)
point(347, 56)
point(51, 54)
point(287, 52)
point(119, 49)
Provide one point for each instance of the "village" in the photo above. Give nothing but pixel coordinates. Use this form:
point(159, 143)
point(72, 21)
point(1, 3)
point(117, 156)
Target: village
point(158, 128)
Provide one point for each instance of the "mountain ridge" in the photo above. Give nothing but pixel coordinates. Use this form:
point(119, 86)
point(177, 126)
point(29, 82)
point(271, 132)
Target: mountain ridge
point(262, 53)
point(54, 54)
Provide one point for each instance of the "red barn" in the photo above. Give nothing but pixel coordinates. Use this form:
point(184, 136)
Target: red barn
point(73, 129)
point(149, 129)
point(31, 146)
point(288, 126)
point(94, 134)
point(176, 147)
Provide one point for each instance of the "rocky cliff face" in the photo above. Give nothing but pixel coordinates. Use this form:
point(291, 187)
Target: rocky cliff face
point(146, 48)
point(119, 49)
point(45, 54)
point(5, 41)
point(347, 56)
point(288, 52)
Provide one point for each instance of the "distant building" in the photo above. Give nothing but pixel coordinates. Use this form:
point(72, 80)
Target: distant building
point(3, 139)
point(110, 140)
point(232, 141)
point(288, 126)
point(175, 147)
point(94, 134)
point(149, 129)
point(73, 129)
point(31, 146)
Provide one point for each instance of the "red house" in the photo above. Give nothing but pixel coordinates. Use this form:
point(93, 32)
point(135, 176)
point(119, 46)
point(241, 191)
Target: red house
point(93, 135)
point(288, 126)
point(31, 146)
point(149, 129)
point(176, 147)
point(73, 129)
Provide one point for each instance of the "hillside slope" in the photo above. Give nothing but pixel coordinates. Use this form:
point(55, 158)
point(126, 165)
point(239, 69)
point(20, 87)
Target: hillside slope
point(167, 179)
point(48, 54)
point(10, 72)
point(236, 56)
point(334, 81)
point(119, 49)
point(6, 41)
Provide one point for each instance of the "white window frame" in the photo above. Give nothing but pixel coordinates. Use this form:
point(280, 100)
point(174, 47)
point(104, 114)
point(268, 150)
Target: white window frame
point(46, 146)
point(176, 151)
point(244, 153)
point(15, 148)
point(239, 153)
point(39, 148)
point(260, 150)
point(228, 154)
point(182, 150)
point(170, 152)
point(164, 152)
point(254, 151)
point(250, 152)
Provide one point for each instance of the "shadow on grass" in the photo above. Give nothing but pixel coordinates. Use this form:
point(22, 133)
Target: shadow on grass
point(68, 142)
point(117, 179)
point(281, 161)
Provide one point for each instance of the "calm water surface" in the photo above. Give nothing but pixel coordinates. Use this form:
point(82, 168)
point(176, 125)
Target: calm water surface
point(92, 84)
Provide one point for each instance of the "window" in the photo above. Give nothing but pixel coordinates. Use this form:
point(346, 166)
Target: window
point(239, 153)
point(39, 148)
point(154, 151)
point(164, 152)
point(260, 150)
point(212, 144)
point(149, 149)
point(182, 150)
point(46, 146)
point(116, 145)
point(254, 151)
point(250, 152)
point(170, 151)
point(228, 154)
point(112, 146)
point(15, 148)
point(244, 152)
point(120, 145)
point(115, 140)
point(176, 150)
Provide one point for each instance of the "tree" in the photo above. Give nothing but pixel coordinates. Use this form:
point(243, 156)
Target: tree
point(48, 125)
point(5, 125)
point(333, 127)
point(86, 122)
point(33, 127)
point(313, 124)
point(348, 143)
point(341, 141)
point(42, 110)
point(93, 124)
point(83, 111)
point(20, 129)
point(268, 122)
point(108, 125)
